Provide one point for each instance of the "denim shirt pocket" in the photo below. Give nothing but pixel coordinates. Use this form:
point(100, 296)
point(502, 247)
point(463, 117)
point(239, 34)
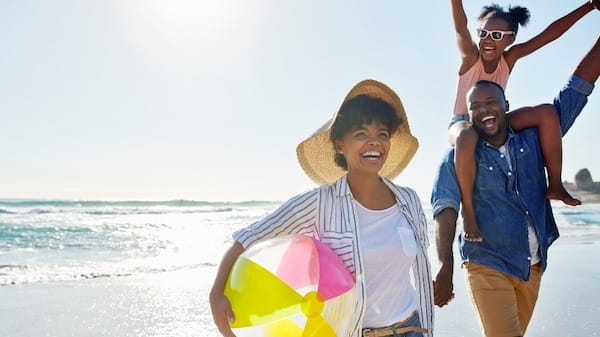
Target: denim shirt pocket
point(489, 176)
point(528, 162)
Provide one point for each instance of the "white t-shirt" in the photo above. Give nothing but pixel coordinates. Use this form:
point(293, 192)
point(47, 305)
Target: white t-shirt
point(389, 249)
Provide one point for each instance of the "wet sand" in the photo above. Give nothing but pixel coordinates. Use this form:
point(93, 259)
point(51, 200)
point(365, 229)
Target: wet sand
point(175, 303)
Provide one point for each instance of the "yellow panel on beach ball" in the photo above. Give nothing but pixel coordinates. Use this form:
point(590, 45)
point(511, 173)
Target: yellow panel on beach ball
point(316, 326)
point(257, 296)
point(285, 327)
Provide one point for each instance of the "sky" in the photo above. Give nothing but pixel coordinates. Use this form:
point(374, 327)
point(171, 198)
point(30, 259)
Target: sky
point(207, 100)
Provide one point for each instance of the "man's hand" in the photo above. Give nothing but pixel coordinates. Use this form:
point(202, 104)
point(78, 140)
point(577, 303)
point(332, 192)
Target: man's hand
point(445, 231)
point(443, 286)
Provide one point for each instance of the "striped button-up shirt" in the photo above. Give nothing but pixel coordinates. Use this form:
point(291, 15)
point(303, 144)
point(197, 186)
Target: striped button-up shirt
point(328, 214)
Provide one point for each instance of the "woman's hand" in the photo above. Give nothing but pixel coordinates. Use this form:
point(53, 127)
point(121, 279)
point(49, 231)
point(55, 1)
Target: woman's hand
point(222, 313)
point(219, 303)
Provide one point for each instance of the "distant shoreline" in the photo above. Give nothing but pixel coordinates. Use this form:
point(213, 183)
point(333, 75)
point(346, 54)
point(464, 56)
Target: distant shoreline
point(584, 196)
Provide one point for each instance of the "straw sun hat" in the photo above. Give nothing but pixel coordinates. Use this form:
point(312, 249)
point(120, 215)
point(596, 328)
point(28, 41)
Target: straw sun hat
point(316, 153)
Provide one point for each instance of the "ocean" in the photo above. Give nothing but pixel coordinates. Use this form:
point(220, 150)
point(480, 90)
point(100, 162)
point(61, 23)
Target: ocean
point(42, 241)
point(53, 240)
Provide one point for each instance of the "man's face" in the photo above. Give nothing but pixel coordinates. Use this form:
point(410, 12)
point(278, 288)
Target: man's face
point(487, 108)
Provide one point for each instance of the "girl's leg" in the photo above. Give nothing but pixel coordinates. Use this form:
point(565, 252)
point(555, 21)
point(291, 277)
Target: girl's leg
point(466, 169)
point(547, 123)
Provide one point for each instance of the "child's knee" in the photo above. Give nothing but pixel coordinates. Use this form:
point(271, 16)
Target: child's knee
point(548, 116)
point(467, 137)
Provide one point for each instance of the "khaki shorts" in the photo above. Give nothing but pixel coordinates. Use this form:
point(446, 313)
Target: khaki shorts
point(503, 303)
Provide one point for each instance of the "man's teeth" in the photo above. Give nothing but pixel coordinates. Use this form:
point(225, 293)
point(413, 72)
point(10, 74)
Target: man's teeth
point(488, 121)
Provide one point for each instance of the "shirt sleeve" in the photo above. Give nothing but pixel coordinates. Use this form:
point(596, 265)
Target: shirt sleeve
point(571, 100)
point(296, 216)
point(446, 193)
point(422, 266)
point(419, 215)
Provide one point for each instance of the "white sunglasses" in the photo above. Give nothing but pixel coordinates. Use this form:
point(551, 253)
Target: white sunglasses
point(496, 35)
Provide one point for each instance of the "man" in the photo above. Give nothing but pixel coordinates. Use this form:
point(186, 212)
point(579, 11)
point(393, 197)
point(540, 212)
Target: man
point(503, 272)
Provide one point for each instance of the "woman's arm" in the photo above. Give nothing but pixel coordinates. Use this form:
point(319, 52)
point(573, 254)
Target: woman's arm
point(296, 216)
point(551, 33)
point(219, 303)
point(466, 47)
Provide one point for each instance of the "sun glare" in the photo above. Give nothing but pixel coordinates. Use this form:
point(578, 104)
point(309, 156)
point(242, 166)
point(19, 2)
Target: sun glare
point(194, 17)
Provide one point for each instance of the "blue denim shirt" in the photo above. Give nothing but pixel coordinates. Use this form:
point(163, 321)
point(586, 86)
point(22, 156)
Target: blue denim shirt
point(507, 200)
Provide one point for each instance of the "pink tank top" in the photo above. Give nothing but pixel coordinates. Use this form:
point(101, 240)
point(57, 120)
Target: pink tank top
point(474, 74)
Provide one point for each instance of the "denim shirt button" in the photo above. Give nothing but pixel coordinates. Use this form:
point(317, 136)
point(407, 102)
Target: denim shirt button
point(521, 150)
point(501, 156)
point(509, 173)
point(529, 258)
point(491, 168)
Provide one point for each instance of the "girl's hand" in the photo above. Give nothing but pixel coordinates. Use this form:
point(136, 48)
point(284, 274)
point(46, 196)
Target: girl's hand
point(222, 313)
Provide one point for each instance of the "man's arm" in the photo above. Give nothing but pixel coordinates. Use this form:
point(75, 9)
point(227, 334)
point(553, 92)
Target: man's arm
point(572, 99)
point(445, 202)
point(589, 67)
point(445, 230)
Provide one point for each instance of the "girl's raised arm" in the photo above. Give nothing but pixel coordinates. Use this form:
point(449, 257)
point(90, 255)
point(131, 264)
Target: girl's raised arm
point(466, 47)
point(551, 33)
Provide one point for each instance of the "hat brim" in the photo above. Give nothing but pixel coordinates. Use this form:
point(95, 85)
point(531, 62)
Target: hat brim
point(316, 153)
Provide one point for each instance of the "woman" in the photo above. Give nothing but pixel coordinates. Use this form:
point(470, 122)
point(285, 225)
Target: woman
point(377, 228)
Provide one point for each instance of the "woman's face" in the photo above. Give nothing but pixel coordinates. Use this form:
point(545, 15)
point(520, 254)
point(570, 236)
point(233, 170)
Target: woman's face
point(365, 148)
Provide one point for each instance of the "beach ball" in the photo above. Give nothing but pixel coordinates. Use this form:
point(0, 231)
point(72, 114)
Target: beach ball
point(292, 286)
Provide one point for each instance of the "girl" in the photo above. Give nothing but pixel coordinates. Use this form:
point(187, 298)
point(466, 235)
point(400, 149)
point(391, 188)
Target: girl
point(491, 59)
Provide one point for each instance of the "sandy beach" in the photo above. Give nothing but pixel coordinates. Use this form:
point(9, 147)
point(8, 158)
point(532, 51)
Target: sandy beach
point(175, 303)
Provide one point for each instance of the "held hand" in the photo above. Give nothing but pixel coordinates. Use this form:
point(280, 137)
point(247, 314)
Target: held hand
point(443, 286)
point(222, 314)
point(596, 3)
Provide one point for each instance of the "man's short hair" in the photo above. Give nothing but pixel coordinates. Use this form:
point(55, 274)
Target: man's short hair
point(486, 82)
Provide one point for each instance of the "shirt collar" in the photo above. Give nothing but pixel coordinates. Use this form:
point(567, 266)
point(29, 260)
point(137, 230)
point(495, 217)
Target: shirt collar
point(510, 134)
point(342, 189)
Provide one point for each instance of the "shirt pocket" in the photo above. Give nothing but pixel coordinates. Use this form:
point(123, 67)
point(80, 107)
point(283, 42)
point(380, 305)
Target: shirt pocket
point(407, 241)
point(530, 163)
point(489, 176)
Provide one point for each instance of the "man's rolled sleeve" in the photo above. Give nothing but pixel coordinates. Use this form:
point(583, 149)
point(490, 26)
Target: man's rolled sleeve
point(442, 204)
point(446, 193)
point(571, 100)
